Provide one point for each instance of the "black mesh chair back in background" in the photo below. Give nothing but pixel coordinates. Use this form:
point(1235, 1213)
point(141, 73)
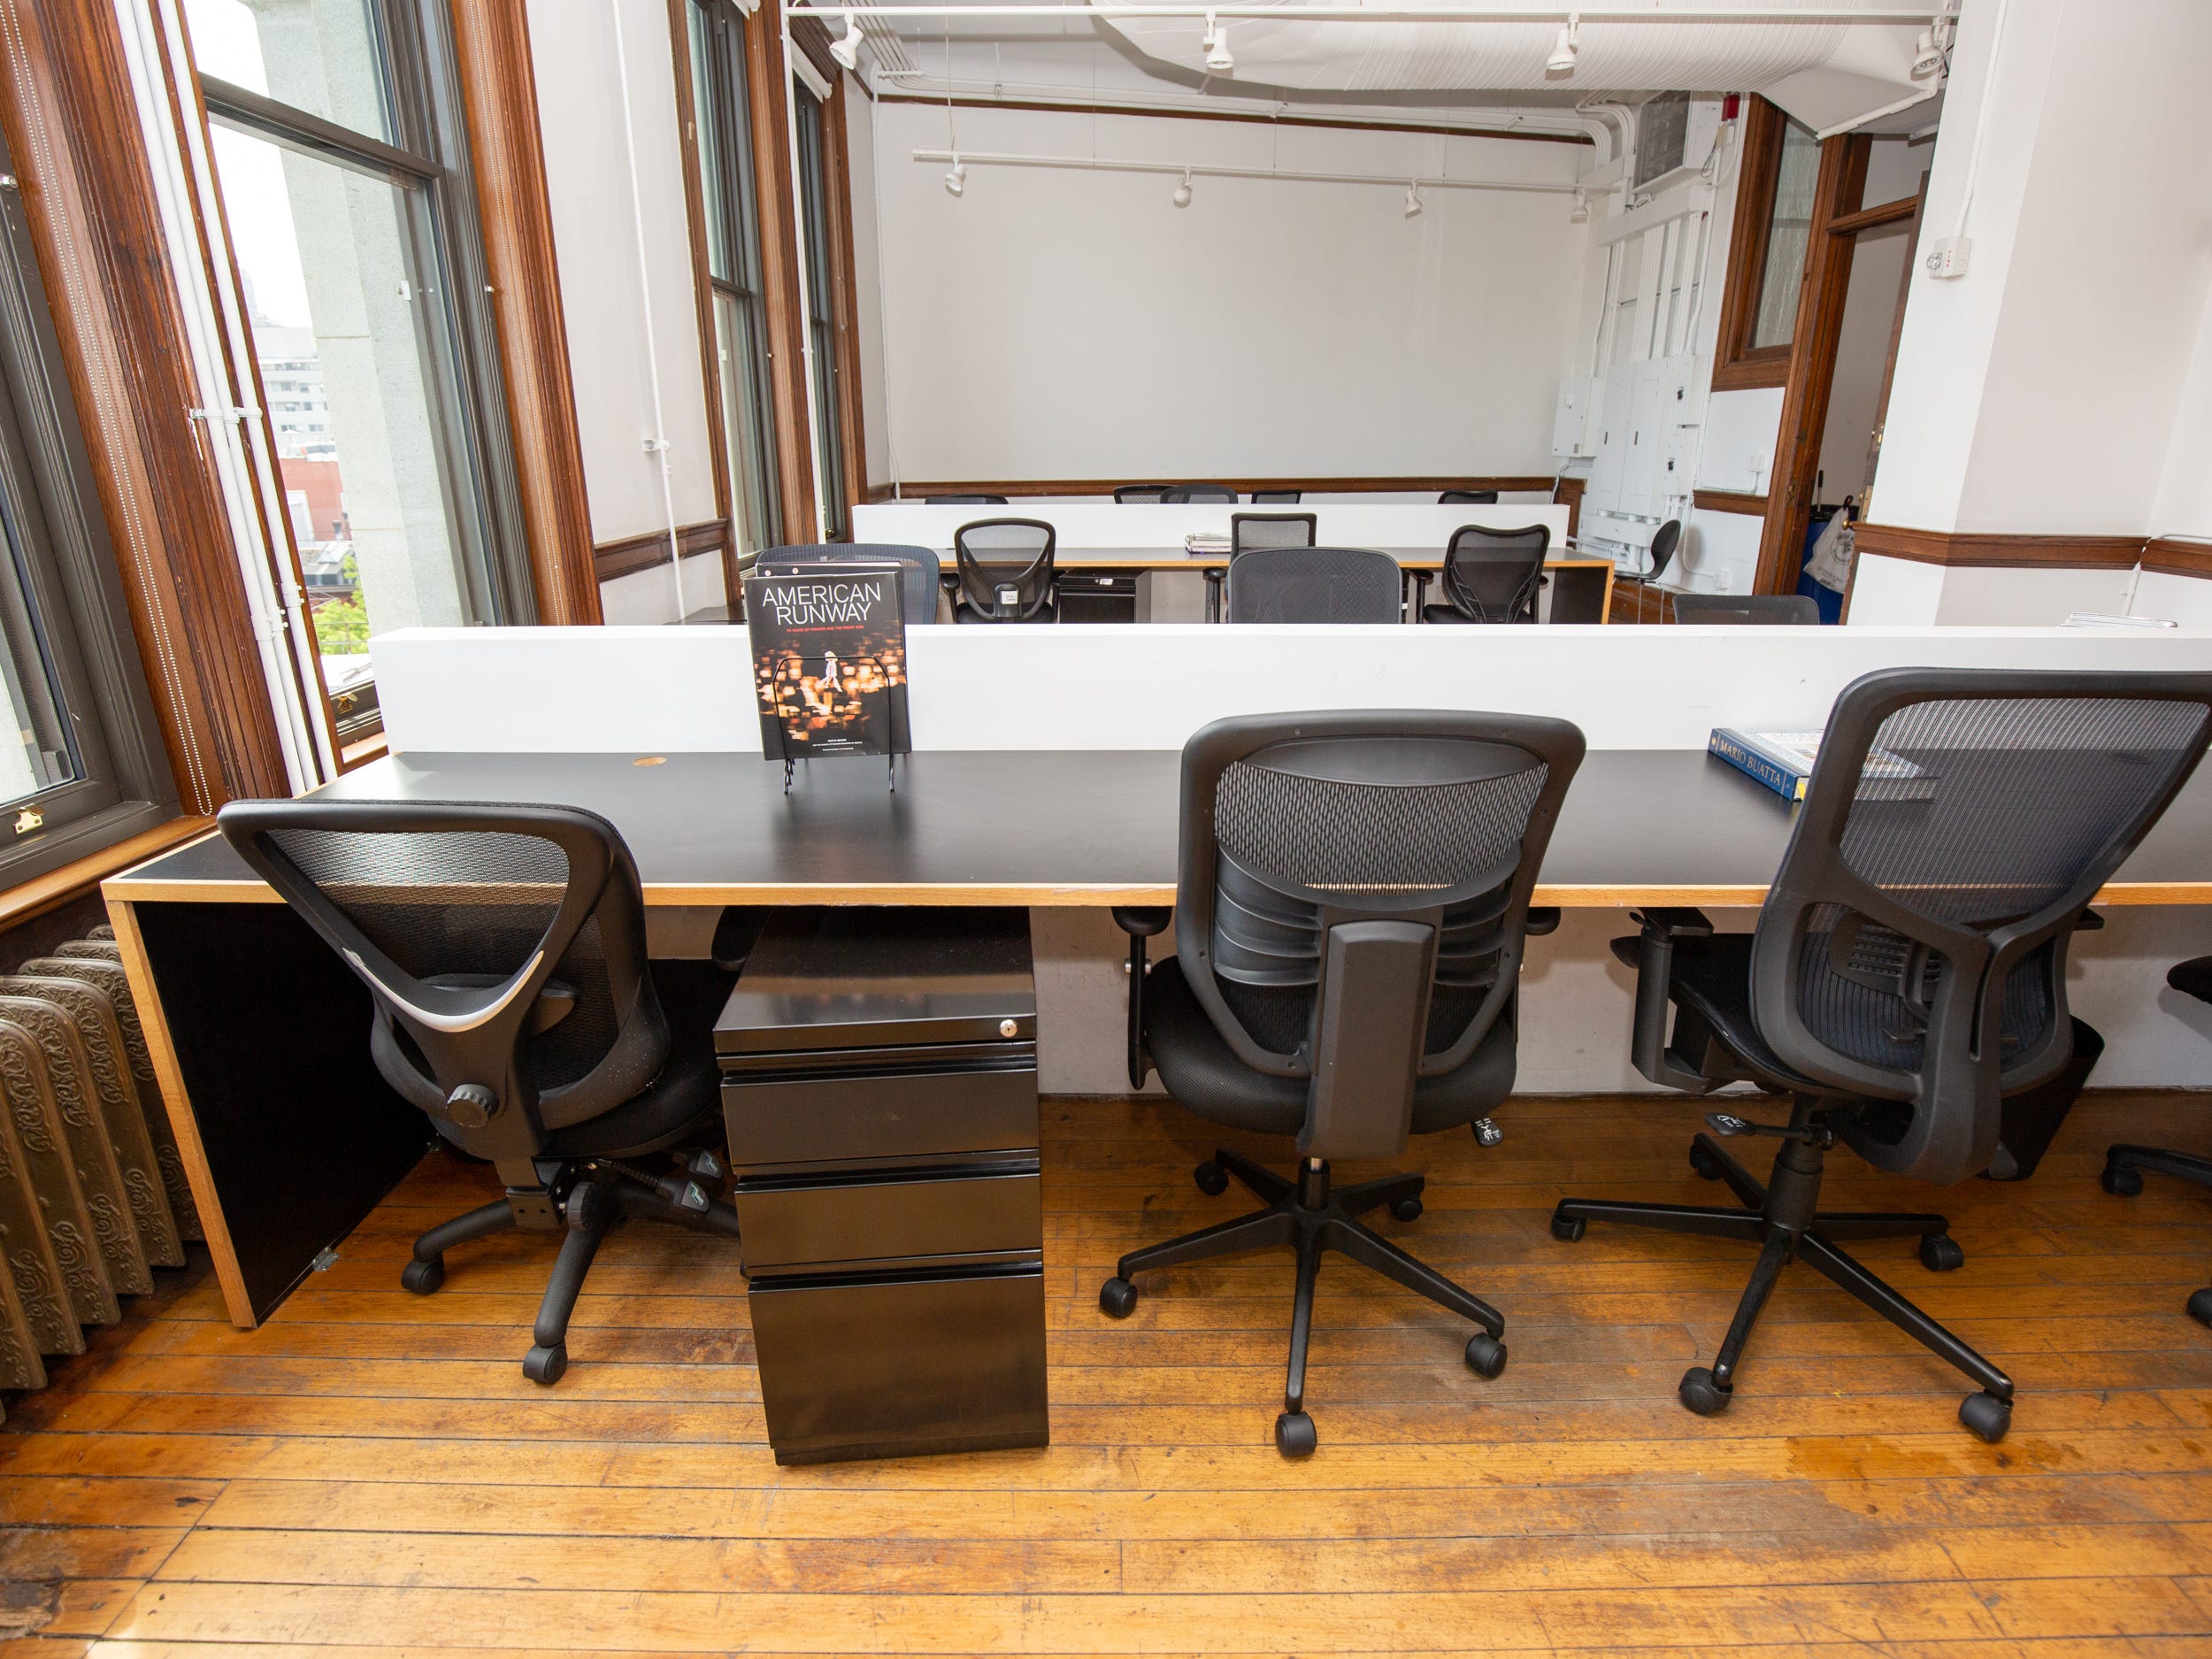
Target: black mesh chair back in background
point(1183, 493)
point(504, 947)
point(1006, 571)
point(1468, 498)
point(1316, 584)
point(1295, 826)
point(1249, 530)
point(1492, 575)
point(1139, 492)
point(1757, 610)
point(963, 501)
point(1277, 497)
point(1957, 823)
point(919, 569)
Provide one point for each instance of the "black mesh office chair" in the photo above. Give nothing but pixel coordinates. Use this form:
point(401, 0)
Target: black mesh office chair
point(1468, 498)
point(1909, 968)
point(1491, 575)
point(1249, 530)
point(920, 569)
point(504, 947)
point(1757, 610)
point(1316, 584)
point(2124, 1163)
point(1277, 497)
point(1664, 541)
point(1005, 572)
point(1351, 897)
point(1139, 492)
point(1183, 493)
point(963, 501)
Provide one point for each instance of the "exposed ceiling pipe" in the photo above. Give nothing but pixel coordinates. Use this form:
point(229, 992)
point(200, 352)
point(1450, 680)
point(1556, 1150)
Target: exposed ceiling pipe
point(1088, 164)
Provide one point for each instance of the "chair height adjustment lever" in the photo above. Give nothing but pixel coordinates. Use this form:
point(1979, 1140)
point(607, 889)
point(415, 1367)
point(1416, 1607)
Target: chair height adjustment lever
point(1727, 1126)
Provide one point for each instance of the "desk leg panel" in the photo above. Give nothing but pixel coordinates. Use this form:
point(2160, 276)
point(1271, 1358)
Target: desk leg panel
point(259, 1036)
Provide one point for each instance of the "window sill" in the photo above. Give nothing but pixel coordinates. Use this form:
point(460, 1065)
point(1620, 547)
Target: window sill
point(57, 887)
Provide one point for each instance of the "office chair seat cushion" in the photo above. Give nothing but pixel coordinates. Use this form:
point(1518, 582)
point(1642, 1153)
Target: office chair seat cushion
point(963, 612)
point(1204, 1075)
point(687, 1093)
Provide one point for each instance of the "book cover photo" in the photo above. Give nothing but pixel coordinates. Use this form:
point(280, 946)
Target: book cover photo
point(829, 660)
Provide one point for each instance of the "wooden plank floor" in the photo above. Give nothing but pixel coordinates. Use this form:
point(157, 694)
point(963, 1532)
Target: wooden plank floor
point(369, 1474)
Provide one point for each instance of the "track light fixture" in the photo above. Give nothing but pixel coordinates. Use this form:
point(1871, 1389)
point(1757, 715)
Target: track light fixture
point(1566, 47)
point(1218, 61)
point(1927, 52)
point(1413, 200)
point(956, 180)
point(1182, 190)
point(1581, 215)
point(846, 48)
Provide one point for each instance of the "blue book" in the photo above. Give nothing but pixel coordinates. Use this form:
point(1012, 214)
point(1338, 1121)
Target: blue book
point(1783, 761)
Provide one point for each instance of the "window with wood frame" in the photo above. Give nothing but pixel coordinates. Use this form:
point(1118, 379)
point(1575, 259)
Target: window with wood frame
point(1766, 251)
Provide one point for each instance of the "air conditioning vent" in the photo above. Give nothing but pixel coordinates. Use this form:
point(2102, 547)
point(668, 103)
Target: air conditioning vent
point(1674, 138)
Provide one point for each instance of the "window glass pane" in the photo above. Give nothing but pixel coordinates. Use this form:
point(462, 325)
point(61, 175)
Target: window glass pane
point(345, 335)
point(325, 56)
point(711, 140)
point(1794, 180)
point(813, 208)
point(741, 425)
point(36, 750)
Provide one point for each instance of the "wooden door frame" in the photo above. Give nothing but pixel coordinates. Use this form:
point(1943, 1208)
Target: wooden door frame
point(783, 303)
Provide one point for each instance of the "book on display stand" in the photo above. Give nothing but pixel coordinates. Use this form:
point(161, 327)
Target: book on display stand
point(829, 663)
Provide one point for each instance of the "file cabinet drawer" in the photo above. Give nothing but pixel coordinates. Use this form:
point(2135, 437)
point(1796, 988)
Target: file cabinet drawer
point(913, 1110)
point(965, 1209)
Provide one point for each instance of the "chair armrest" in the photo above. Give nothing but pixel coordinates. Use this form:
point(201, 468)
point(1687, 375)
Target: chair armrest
point(1542, 919)
point(1673, 921)
point(1648, 1049)
point(2088, 922)
point(1141, 922)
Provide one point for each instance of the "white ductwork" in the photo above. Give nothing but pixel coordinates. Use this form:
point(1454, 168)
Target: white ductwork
point(1825, 71)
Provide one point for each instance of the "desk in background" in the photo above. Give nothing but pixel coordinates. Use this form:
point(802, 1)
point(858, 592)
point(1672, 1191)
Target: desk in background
point(1106, 584)
point(257, 1031)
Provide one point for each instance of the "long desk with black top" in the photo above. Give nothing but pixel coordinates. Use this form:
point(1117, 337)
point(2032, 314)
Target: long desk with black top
point(257, 1031)
point(1101, 584)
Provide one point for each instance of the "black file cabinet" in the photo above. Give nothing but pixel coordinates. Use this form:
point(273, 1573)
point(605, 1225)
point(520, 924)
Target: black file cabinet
point(879, 1083)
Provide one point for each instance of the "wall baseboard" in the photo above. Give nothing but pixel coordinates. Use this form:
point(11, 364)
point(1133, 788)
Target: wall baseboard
point(635, 553)
point(911, 491)
point(1975, 549)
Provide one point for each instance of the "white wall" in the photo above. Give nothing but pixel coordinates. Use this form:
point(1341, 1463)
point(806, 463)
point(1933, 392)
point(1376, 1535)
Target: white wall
point(1064, 324)
point(595, 237)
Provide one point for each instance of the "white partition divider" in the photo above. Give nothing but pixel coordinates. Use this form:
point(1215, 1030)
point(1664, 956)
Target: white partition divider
point(1108, 524)
point(661, 689)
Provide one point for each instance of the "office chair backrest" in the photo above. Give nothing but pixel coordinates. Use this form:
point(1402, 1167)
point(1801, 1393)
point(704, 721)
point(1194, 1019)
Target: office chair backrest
point(1180, 492)
point(504, 947)
point(1006, 566)
point(1139, 492)
point(1468, 498)
point(1663, 542)
point(1316, 584)
point(1277, 497)
point(919, 567)
point(1492, 575)
point(1249, 530)
point(963, 501)
point(1352, 896)
point(1766, 609)
point(1913, 947)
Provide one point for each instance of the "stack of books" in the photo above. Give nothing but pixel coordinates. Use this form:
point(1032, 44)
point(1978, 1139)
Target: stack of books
point(1207, 542)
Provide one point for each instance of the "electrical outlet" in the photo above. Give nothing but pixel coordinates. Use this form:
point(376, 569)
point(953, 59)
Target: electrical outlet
point(1725, 582)
point(1946, 257)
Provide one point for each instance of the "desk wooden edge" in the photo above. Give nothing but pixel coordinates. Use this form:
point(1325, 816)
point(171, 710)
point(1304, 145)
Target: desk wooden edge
point(161, 1050)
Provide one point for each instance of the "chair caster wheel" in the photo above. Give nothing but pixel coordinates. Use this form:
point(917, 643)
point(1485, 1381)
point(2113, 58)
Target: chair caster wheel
point(1212, 1179)
point(1987, 1415)
point(422, 1278)
point(1405, 1209)
point(1486, 1355)
point(2200, 1306)
point(2120, 1181)
point(1703, 1162)
point(1568, 1229)
point(1701, 1393)
point(1940, 1253)
point(1295, 1436)
point(1118, 1298)
point(545, 1364)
